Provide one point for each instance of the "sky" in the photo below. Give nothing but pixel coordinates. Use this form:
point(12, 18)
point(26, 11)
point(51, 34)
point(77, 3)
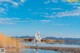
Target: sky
point(52, 18)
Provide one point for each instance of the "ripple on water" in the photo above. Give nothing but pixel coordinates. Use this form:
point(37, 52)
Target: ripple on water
point(37, 51)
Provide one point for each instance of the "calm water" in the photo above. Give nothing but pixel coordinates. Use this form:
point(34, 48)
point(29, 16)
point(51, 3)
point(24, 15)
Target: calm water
point(40, 51)
point(29, 51)
point(37, 51)
point(54, 45)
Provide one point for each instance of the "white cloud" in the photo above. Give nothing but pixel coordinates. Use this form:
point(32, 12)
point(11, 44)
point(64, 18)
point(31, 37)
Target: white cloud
point(75, 12)
point(49, 16)
point(9, 19)
point(53, 8)
point(68, 13)
point(5, 0)
point(54, 1)
point(2, 11)
point(46, 2)
point(74, 3)
point(46, 21)
point(56, 8)
point(12, 20)
point(12, 2)
point(49, 1)
point(39, 21)
point(78, 7)
point(22, 0)
point(15, 3)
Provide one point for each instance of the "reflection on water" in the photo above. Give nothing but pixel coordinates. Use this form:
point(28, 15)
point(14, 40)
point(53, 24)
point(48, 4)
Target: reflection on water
point(37, 51)
point(13, 50)
point(24, 50)
point(54, 45)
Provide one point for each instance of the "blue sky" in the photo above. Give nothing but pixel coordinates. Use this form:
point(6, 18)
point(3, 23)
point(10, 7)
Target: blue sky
point(58, 18)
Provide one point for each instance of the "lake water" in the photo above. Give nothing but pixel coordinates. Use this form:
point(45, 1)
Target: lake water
point(53, 45)
point(38, 50)
point(29, 51)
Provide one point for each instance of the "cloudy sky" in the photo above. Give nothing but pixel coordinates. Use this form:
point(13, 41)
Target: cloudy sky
point(58, 18)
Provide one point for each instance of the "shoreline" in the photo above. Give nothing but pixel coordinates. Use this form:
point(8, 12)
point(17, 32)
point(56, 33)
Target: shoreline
point(60, 49)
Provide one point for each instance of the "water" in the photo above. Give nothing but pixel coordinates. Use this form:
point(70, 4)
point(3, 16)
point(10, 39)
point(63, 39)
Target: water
point(54, 45)
point(22, 50)
point(37, 51)
point(29, 51)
